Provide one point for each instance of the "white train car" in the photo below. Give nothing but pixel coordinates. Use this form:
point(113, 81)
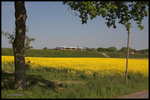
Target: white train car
point(68, 48)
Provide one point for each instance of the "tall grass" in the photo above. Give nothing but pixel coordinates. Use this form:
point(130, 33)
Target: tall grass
point(44, 82)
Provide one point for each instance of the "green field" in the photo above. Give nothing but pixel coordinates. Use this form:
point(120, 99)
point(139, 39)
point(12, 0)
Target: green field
point(58, 53)
point(123, 55)
point(53, 53)
point(43, 82)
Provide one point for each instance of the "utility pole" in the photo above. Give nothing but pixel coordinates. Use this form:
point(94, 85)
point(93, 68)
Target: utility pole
point(126, 74)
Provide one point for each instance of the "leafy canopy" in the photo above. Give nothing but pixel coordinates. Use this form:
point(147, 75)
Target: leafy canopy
point(124, 11)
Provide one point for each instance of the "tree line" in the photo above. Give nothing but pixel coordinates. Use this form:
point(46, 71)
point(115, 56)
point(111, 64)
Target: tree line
point(114, 49)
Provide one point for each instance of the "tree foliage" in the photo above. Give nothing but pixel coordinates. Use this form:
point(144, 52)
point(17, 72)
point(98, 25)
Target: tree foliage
point(11, 38)
point(45, 48)
point(124, 49)
point(100, 49)
point(143, 51)
point(112, 49)
point(28, 40)
point(112, 11)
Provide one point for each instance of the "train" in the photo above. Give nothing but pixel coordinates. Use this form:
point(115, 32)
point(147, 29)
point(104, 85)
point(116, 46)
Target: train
point(69, 48)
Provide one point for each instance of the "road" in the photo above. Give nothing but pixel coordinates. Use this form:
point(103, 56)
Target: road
point(104, 54)
point(138, 95)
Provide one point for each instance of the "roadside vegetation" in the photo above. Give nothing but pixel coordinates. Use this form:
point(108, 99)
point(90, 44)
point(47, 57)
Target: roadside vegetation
point(46, 82)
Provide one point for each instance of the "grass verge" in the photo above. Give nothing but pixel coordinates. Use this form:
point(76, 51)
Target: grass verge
point(43, 82)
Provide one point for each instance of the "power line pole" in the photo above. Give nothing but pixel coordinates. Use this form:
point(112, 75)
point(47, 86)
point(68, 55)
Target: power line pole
point(126, 74)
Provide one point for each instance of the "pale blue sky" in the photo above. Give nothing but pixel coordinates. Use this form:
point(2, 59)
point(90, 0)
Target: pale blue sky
point(53, 25)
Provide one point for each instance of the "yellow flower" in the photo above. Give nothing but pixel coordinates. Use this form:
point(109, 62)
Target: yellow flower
point(103, 66)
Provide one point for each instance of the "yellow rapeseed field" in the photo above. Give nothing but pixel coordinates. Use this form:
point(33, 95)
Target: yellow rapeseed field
point(104, 66)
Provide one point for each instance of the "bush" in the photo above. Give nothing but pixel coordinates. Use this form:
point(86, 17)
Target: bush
point(102, 49)
point(112, 49)
point(45, 48)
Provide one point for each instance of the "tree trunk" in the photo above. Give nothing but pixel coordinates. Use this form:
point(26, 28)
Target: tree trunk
point(19, 44)
point(126, 75)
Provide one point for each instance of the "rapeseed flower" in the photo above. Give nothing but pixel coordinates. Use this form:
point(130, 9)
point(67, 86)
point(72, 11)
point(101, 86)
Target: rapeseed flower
point(104, 66)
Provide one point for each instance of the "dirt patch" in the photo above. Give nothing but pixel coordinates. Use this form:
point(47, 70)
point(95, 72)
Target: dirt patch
point(104, 54)
point(74, 82)
point(69, 82)
point(136, 95)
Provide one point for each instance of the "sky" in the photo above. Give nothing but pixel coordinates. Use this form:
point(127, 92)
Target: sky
point(52, 25)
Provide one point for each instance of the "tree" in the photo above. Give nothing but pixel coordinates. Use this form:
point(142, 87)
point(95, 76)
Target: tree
point(87, 49)
point(19, 44)
point(45, 48)
point(124, 50)
point(112, 49)
point(143, 51)
point(11, 38)
point(28, 40)
point(93, 49)
point(123, 11)
point(100, 49)
point(128, 29)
